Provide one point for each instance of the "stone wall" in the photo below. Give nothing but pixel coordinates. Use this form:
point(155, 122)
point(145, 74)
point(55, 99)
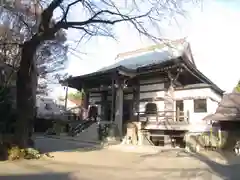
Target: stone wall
point(225, 140)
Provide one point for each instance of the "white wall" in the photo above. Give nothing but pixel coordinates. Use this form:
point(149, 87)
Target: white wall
point(187, 96)
point(203, 93)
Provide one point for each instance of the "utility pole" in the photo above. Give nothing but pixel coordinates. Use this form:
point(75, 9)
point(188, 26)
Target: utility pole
point(66, 97)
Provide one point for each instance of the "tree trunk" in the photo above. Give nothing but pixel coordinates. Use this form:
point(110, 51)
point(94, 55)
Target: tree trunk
point(26, 92)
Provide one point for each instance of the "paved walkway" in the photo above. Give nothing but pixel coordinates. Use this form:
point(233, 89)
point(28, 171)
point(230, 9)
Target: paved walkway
point(82, 161)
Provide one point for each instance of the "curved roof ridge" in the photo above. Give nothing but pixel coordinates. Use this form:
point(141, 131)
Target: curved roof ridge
point(141, 51)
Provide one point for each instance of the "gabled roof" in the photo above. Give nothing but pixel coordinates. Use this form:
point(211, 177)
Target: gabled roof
point(164, 54)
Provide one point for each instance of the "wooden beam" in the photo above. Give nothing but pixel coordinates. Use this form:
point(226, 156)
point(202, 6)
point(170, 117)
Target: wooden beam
point(128, 74)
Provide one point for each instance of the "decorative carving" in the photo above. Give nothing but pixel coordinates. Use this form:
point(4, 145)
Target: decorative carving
point(173, 78)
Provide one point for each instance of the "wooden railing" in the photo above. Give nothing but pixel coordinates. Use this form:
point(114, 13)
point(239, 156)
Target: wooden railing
point(170, 116)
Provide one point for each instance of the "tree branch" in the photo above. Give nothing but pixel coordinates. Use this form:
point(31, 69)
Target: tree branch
point(94, 20)
point(64, 18)
point(47, 15)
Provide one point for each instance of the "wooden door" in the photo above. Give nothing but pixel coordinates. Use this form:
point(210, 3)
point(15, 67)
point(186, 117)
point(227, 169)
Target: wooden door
point(180, 107)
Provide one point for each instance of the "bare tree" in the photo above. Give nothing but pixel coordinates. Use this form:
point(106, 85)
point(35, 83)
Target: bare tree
point(95, 18)
point(50, 56)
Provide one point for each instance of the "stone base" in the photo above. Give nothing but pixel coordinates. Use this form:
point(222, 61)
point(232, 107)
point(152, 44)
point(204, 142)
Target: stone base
point(199, 141)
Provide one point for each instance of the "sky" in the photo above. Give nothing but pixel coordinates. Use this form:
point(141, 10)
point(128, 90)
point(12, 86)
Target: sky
point(212, 30)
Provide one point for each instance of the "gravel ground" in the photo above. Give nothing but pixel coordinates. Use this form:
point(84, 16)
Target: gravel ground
point(86, 162)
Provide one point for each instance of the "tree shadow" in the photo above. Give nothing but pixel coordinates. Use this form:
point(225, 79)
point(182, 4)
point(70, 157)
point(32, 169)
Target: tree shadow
point(45, 176)
point(227, 118)
point(48, 145)
point(227, 170)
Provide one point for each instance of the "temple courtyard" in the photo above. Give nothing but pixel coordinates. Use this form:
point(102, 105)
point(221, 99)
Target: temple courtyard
point(87, 161)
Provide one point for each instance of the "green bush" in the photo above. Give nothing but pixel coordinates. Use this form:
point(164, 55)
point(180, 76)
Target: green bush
point(15, 153)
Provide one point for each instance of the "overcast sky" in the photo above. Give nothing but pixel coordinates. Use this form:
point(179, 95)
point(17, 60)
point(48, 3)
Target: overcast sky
point(213, 31)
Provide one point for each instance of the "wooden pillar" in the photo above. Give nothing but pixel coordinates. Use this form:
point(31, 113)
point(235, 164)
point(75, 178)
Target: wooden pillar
point(135, 115)
point(104, 102)
point(66, 97)
point(85, 99)
point(136, 97)
point(85, 103)
point(119, 108)
point(113, 99)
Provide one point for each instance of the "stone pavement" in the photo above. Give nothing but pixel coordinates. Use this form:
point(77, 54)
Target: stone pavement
point(89, 164)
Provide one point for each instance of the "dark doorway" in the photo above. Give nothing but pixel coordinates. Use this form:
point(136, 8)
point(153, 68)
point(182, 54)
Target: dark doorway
point(107, 111)
point(127, 106)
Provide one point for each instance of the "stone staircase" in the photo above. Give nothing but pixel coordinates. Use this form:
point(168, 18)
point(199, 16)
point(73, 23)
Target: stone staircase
point(88, 135)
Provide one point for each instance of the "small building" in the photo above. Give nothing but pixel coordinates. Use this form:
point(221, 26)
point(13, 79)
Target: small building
point(226, 119)
point(158, 87)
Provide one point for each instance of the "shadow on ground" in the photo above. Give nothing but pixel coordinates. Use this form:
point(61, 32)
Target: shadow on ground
point(45, 176)
point(229, 170)
point(48, 145)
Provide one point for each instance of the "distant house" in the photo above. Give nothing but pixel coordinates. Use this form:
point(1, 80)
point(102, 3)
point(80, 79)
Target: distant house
point(158, 87)
point(72, 105)
point(48, 108)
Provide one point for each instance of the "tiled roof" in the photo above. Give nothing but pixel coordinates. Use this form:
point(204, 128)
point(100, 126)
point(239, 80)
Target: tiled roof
point(150, 55)
point(151, 48)
point(228, 108)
